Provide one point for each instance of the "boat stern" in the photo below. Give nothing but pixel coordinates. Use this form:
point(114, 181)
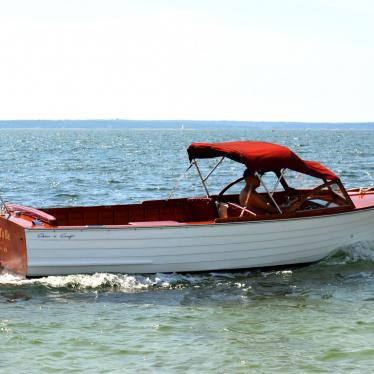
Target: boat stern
point(13, 254)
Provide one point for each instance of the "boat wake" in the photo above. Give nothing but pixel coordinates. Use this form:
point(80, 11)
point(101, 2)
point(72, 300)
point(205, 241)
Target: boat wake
point(363, 251)
point(359, 253)
point(106, 281)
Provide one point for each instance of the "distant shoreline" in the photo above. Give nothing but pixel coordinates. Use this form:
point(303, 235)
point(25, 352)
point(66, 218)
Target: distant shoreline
point(182, 124)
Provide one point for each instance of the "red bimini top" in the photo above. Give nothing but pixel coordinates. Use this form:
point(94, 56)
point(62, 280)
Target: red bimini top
point(260, 157)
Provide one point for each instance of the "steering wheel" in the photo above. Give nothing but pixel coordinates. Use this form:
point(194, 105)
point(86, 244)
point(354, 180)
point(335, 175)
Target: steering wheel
point(220, 195)
point(235, 206)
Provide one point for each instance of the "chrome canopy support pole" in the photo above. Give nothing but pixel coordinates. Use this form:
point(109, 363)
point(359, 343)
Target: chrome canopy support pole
point(215, 167)
point(246, 201)
point(278, 181)
point(201, 177)
point(271, 196)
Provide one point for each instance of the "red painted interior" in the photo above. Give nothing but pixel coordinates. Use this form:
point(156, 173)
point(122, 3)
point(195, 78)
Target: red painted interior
point(179, 210)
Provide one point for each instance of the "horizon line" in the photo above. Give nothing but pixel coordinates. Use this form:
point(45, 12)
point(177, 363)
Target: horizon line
point(186, 120)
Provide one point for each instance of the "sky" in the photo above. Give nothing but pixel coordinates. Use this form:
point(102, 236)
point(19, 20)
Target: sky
point(248, 60)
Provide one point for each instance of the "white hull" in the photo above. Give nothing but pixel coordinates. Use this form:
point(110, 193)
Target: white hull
point(189, 248)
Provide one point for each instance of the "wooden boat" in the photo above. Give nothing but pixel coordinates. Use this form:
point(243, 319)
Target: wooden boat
point(192, 234)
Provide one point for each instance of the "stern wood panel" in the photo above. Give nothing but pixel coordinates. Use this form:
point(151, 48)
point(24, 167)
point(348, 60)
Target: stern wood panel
point(13, 256)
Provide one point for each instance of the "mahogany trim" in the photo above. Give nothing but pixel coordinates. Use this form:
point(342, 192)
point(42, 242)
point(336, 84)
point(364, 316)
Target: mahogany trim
point(13, 254)
point(33, 213)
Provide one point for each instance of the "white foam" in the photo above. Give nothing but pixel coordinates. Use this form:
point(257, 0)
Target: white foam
point(363, 251)
point(133, 283)
point(9, 278)
point(121, 282)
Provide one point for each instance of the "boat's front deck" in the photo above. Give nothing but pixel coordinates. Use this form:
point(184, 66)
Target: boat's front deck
point(362, 197)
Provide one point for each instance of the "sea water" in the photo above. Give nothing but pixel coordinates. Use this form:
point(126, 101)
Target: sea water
point(313, 319)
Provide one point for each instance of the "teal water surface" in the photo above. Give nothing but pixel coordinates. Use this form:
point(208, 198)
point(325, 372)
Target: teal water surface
point(314, 319)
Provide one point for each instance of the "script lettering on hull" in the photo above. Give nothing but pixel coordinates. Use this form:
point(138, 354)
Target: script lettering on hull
point(54, 235)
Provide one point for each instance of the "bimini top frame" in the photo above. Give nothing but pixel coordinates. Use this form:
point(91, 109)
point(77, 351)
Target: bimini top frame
point(261, 157)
